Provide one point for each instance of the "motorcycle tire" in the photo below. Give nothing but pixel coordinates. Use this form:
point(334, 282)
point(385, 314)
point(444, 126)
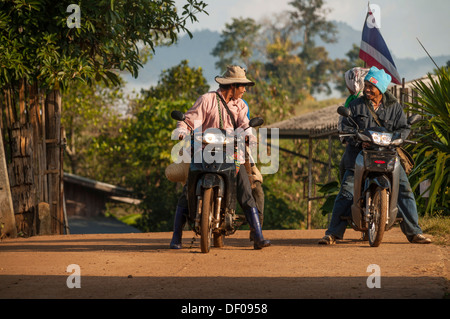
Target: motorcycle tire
point(206, 220)
point(377, 223)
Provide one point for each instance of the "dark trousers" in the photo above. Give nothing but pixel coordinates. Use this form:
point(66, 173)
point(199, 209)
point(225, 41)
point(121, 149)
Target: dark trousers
point(244, 192)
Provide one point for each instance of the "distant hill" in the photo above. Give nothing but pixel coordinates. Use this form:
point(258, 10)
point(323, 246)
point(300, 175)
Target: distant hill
point(198, 51)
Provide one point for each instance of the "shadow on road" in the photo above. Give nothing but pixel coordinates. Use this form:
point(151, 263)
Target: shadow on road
point(133, 286)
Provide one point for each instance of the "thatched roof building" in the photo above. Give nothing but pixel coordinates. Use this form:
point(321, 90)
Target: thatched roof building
point(318, 124)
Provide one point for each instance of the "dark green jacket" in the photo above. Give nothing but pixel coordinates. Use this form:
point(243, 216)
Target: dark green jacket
point(390, 114)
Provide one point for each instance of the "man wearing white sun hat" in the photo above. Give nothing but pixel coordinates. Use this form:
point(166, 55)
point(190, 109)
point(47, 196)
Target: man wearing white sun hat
point(226, 110)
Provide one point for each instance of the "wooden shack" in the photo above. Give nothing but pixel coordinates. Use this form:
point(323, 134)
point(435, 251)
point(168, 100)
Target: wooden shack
point(87, 198)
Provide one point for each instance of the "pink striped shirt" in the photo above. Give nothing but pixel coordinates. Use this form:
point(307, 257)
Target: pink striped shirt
point(205, 113)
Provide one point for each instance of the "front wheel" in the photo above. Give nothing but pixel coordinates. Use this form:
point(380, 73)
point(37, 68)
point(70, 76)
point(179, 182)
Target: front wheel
point(378, 216)
point(206, 220)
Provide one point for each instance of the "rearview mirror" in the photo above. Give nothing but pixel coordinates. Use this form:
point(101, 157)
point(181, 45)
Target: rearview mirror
point(178, 115)
point(256, 121)
point(342, 110)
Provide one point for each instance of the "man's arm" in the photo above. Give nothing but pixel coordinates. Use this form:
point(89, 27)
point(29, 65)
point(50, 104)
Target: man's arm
point(194, 116)
point(347, 126)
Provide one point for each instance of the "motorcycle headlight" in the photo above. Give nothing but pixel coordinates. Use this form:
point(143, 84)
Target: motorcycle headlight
point(381, 138)
point(216, 138)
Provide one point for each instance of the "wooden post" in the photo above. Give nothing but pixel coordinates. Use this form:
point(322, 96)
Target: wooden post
point(10, 114)
point(329, 157)
point(22, 106)
point(7, 219)
point(22, 178)
point(53, 141)
point(39, 162)
point(402, 92)
point(309, 182)
point(62, 203)
point(41, 112)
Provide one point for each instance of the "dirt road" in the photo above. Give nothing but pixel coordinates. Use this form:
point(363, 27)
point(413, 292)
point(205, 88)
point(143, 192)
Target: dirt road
point(295, 267)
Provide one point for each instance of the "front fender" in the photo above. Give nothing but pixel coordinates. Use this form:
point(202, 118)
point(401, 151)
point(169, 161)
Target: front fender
point(210, 181)
point(379, 180)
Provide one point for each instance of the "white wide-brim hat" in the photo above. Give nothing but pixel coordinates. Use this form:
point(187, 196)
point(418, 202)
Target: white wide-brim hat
point(234, 75)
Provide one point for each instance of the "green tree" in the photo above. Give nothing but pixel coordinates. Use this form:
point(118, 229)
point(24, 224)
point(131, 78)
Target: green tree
point(137, 155)
point(433, 151)
point(37, 43)
point(267, 55)
point(179, 82)
point(237, 43)
point(89, 110)
point(42, 54)
point(309, 18)
point(286, 70)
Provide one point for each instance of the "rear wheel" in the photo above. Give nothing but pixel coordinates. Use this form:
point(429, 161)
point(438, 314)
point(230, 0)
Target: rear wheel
point(206, 220)
point(378, 216)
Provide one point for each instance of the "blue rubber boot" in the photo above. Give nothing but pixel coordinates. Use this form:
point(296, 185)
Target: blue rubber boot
point(178, 224)
point(252, 216)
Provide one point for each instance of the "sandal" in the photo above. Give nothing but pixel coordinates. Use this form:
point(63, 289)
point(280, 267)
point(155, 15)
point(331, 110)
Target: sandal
point(420, 239)
point(327, 240)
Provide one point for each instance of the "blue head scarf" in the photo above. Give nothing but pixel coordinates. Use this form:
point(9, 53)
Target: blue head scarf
point(379, 78)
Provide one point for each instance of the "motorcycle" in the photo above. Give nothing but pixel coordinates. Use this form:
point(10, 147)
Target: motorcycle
point(211, 183)
point(376, 179)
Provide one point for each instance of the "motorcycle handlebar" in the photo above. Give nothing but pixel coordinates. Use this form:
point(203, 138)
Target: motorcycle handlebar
point(347, 134)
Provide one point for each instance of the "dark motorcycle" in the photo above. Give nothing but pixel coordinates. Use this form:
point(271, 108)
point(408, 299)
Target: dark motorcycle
point(376, 180)
point(211, 183)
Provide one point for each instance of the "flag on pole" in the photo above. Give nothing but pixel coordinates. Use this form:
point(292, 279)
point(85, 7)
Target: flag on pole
point(373, 49)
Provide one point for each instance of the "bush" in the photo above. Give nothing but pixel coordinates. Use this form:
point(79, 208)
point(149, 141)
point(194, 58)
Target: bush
point(432, 154)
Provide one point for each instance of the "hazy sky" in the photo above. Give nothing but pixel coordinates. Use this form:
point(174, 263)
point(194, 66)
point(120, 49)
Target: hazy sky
point(402, 21)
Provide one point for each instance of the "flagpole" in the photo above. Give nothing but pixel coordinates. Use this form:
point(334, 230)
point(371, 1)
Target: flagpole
point(365, 21)
point(427, 53)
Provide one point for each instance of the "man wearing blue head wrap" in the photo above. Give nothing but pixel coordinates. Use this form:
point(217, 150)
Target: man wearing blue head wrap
point(390, 115)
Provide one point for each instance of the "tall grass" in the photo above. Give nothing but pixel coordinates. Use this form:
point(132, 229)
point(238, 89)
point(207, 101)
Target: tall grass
point(438, 227)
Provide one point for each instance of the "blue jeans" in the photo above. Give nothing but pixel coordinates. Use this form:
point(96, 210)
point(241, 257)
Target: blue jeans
point(407, 208)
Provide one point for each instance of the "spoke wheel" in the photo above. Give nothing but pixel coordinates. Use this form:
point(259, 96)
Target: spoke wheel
point(378, 217)
point(206, 220)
